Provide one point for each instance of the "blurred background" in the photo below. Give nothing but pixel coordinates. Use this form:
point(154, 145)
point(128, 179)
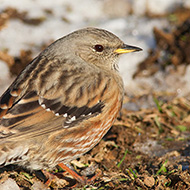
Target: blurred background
point(28, 26)
point(149, 145)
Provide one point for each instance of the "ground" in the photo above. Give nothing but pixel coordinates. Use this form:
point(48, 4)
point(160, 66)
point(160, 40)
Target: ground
point(148, 147)
point(145, 149)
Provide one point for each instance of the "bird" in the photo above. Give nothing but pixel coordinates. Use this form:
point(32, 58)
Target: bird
point(63, 103)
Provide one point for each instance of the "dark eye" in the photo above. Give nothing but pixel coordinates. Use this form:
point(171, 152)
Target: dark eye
point(99, 48)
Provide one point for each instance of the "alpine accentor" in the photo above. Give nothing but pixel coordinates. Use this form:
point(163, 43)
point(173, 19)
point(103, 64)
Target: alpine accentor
point(63, 102)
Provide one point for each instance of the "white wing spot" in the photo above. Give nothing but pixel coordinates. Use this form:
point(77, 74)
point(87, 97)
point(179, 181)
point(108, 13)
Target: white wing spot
point(57, 114)
point(69, 121)
point(73, 118)
point(65, 115)
point(43, 106)
point(48, 109)
point(66, 126)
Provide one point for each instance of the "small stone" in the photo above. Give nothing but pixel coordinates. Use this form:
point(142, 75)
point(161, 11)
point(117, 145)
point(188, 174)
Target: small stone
point(38, 185)
point(9, 184)
point(149, 181)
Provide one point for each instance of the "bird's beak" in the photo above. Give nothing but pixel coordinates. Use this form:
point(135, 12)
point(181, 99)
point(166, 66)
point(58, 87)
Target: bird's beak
point(127, 49)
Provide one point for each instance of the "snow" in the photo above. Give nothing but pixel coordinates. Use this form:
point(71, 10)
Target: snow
point(68, 16)
point(161, 7)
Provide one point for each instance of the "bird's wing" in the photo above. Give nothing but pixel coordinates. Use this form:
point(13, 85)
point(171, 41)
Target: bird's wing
point(53, 101)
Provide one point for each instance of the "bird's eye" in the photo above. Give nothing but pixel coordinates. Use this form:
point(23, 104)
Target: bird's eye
point(99, 48)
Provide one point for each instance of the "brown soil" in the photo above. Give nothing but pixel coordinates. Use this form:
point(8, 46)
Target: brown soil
point(172, 46)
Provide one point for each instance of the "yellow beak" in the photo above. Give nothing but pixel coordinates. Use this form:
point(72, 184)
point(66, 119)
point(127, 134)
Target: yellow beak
point(127, 49)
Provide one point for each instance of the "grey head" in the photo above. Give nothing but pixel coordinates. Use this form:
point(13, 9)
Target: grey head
point(94, 46)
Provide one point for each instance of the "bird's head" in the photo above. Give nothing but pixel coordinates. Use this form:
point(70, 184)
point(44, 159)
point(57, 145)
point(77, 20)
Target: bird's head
point(94, 46)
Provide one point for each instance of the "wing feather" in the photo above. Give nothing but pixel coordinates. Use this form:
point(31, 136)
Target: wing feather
point(27, 110)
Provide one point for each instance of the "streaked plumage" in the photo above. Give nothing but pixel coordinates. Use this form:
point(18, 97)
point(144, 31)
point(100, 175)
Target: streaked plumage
point(63, 102)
